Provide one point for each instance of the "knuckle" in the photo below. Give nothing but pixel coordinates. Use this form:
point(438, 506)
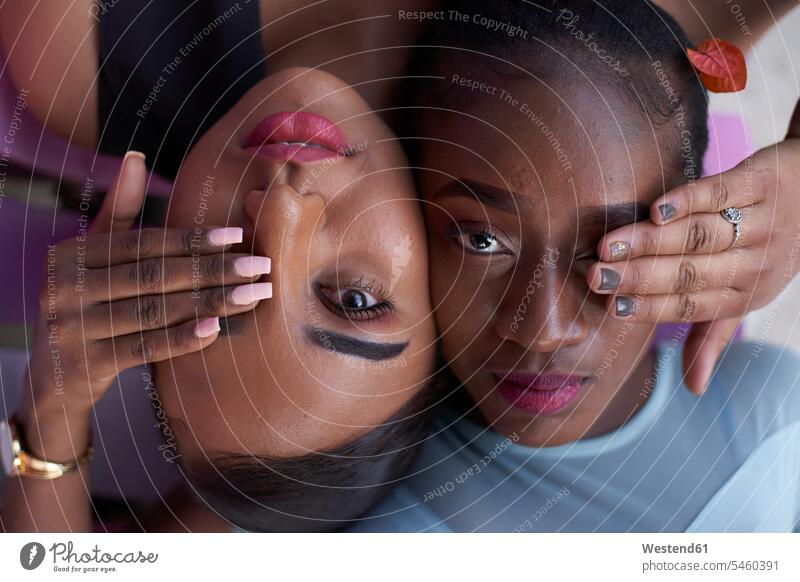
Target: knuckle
point(213, 268)
point(648, 242)
point(634, 277)
point(149, 275)
point(134, 243)
point(187, 241)
point(148, 312)
point(688, 277)
point(720, 194)
point(213, 301)
point(698, 238)
point(687, 306)
point(144, 348)
point(184, 340)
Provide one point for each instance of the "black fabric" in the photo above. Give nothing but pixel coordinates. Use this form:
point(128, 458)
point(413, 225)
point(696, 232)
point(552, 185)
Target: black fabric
point(168, 70)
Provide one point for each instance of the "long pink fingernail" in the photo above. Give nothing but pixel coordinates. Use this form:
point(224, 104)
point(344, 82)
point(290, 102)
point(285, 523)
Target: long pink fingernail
point(252, 266)
point(207, 327)
point(247, 294)
point(219, 237)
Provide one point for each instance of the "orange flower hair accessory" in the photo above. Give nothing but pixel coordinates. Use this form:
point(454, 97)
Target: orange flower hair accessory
point(721, 65)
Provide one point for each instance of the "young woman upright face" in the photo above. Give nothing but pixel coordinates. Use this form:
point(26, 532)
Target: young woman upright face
point(518, 190)
point(318, 184)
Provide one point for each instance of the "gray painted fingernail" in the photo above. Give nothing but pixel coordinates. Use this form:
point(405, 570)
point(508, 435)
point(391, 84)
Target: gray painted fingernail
point(609, 279)
point(624, 306)
point(667, 211)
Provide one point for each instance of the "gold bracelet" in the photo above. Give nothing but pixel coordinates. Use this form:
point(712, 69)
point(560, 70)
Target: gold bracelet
point(18, 462)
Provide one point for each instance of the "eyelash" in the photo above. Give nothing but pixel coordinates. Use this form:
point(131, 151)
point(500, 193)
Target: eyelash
point(385, 306)
point(455, 231)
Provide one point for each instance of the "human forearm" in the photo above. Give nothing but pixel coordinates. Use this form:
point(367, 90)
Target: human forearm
point(58, 505)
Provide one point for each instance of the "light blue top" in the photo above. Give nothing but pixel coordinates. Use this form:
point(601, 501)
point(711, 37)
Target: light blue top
point(728, 461)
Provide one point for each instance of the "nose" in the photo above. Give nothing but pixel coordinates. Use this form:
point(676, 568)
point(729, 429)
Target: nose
point(280, 223)
point(539, 311)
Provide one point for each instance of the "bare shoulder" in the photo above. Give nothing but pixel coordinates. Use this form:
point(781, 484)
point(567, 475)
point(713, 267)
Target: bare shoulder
point(51, 51)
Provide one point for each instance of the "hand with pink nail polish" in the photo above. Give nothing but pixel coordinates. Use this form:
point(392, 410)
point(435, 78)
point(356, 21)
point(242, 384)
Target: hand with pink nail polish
point(123, 297)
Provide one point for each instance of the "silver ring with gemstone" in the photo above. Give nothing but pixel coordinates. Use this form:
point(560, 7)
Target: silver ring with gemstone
point(734, 216)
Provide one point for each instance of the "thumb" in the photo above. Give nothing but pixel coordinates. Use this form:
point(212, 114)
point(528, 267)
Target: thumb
point(124, 200)
point(704, 345)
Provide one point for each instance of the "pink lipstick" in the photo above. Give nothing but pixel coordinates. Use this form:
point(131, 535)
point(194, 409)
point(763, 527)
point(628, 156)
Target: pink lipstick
point(538, 393)
point(298, 136)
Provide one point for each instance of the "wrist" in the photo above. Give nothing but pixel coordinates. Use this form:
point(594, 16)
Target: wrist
point(57, 435)
point(45, 400)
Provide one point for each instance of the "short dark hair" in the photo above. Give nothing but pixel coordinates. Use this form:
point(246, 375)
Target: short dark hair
point(537, 37)
point(320, 491)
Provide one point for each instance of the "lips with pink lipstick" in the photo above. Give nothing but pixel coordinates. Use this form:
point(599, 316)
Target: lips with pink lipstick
point(538, 393)
point(298, 136)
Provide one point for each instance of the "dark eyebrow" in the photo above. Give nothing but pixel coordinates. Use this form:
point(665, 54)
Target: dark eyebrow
point(609, 217)
point(613, 216)
point(351, 346)
point(484, 193)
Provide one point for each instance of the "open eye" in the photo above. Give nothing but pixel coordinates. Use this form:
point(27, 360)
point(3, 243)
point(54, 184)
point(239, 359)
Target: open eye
point(358, 300)
point(477, 239)
point(483, 242)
